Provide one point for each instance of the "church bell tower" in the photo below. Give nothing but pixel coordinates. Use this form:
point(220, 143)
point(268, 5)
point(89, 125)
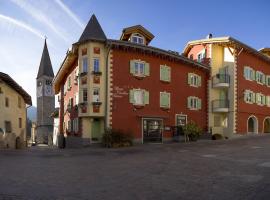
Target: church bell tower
point(45, 98)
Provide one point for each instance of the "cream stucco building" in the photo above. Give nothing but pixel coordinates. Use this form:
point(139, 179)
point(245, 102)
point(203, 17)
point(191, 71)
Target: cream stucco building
point(13, 103)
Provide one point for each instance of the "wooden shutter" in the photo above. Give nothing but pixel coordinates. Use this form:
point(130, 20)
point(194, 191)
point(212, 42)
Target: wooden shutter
point(257, 97)
point(253, 97)
point(199, 103)
point(199, 81)
point(253, 75)
point(257, 76)
point(263, 79)
point(146, 97)
point(246, 69)
point(164, 100)
point(246, 93)
point(189, 102)
point(131, 96)
point(146, 69)
point(189, 78)
point(168, 74)
point(263, 100)
point(162, 73)
point(268, 100)
point(132, 67)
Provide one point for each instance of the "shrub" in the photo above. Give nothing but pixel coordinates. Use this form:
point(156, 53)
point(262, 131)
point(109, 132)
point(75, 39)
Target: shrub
point(192, 131)
point(117, 138)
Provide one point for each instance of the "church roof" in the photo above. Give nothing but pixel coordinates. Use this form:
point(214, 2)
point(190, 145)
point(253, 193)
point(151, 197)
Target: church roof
point(45, 67)
point(93, 31)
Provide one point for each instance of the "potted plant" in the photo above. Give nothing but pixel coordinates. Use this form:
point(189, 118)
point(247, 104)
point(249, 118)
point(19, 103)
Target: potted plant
point(192, 131)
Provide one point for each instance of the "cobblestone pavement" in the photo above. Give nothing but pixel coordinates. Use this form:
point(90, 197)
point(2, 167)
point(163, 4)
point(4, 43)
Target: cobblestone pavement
point(231, 169)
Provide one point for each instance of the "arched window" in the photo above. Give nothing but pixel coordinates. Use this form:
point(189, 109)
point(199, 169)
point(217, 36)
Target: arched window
point(137, 38)
point(191, 56)
point(252, 125)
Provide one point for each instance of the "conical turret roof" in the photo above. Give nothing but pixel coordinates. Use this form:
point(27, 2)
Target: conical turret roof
point(93, 31)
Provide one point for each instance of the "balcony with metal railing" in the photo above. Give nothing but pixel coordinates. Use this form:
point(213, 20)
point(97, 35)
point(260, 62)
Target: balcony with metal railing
point(221, 81)
point(220, 105)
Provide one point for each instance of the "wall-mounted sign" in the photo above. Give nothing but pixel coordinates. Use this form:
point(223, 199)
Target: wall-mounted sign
point(181, 120)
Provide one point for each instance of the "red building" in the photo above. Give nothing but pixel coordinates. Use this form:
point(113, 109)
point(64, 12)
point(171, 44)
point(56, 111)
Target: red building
point(128, 85)
point(239, 95)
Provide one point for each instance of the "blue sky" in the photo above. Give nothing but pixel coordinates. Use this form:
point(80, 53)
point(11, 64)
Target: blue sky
point(23, 23)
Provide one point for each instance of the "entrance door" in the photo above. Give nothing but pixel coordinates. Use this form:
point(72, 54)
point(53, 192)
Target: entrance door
point(96, 130)
point(152, 130)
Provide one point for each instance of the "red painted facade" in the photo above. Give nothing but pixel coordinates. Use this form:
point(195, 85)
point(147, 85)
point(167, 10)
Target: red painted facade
point(245, 110)
point(192, 54)
point(128, 118)
point(71, 113)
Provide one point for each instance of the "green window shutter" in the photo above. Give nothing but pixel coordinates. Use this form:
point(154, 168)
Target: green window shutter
point(163, 73)
point(257, 97)
point(132, 67)
point(169, 74)
point(131, 96)
point(263, 79)
point(253, 97)
point(268, 100)
point(257, 76)
point(252, 74)
point(199, 81)
point(199, 104)
point(189, 102)
point(164, 99)
point(146, 69)
point(146, 97)
point(263, 100)
point(168, 99)
point(246, 69)
point(189, 78)
point(245, 95)
point(267, 80)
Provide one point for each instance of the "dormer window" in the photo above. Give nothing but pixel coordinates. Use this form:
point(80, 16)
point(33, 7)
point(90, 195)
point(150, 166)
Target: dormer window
point(137, 38)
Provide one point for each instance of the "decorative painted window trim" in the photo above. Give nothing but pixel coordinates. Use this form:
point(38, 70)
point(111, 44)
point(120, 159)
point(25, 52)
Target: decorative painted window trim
point(194, 103)
point(143, 68)
point(165, 73)
point(194, 80)
point(161, 103)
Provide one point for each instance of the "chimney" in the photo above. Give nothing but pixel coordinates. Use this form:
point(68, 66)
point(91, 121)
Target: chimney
point(209, 36)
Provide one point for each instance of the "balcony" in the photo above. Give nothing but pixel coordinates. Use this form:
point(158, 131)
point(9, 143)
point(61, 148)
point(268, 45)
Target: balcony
point(221, 81)
point(220, 105)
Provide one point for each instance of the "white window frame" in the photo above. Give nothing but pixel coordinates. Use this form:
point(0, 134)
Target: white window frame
point(139, 38)
point(140, 68)
point(260, 103)
point(194, 103)
point(250, 95)
point(96, 61)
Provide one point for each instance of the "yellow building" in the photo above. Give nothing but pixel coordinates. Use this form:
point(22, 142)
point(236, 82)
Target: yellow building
point(13, 103)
